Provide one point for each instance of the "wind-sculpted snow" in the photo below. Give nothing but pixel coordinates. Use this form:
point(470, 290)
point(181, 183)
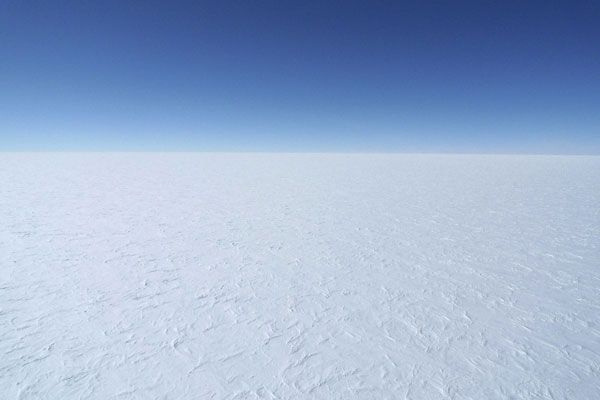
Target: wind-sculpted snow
point(224, 276)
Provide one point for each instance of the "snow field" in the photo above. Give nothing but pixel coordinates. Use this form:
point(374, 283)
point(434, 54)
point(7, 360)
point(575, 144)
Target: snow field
point(299, 276)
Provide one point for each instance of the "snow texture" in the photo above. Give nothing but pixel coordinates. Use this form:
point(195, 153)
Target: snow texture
point(299, 276)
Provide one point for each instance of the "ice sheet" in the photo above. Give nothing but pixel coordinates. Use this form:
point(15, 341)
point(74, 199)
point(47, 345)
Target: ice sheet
point(299, 276)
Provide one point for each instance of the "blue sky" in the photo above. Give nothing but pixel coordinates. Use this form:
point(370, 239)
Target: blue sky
point(370, 76)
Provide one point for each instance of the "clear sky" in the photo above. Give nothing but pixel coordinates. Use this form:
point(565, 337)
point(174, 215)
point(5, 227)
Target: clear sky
point(444, 76)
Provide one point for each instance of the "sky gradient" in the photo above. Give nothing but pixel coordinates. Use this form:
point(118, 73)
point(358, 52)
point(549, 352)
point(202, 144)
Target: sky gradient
point(372, 76)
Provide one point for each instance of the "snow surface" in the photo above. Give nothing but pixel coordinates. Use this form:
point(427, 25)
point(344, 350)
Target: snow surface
point(282, 276)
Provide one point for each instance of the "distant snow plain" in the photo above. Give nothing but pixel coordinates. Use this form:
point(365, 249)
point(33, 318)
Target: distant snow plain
point(299, 276)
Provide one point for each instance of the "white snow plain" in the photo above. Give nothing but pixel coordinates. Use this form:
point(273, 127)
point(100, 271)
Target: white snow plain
point(299, 276)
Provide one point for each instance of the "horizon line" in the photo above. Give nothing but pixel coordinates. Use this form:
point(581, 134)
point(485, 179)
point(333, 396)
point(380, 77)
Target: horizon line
point(449, 153)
